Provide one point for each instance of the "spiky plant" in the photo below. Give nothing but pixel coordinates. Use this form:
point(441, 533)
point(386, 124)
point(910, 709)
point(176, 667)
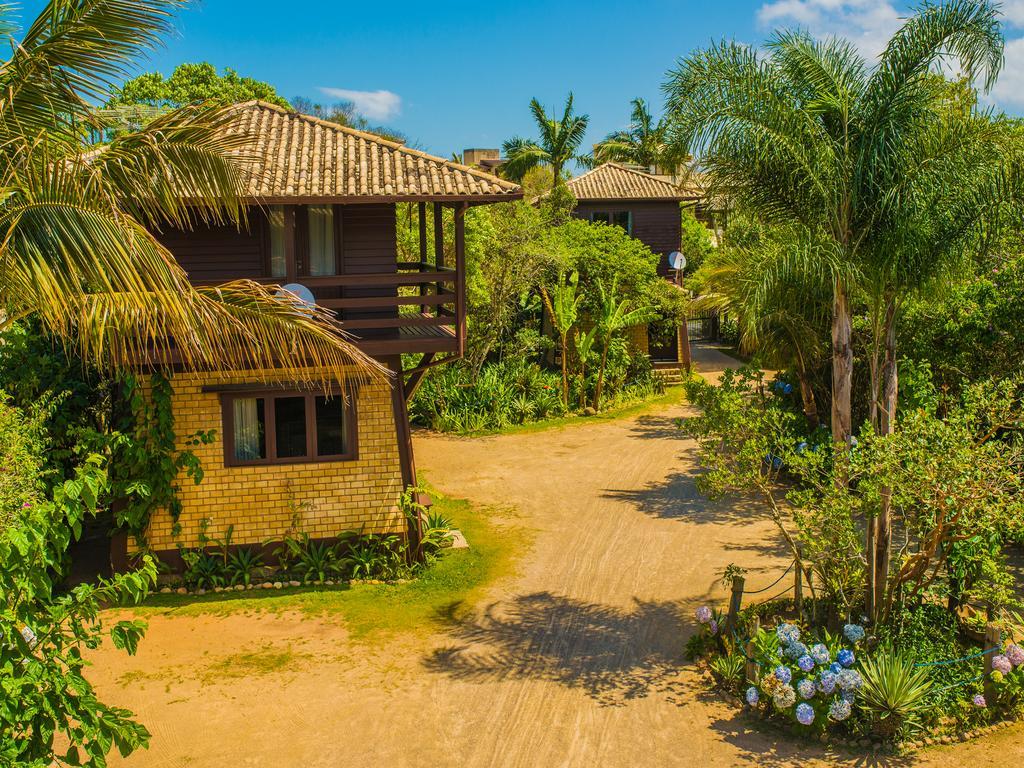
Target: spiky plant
point(895, 692)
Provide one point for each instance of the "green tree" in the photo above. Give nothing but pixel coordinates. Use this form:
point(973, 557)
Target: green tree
point(49, 712)
point(190, 84)
point(696, 242)
point(193, 84)
point(866, 159)
point(562, 302)
point(558, 143)
point(614, 316)
point(345, 113)
point(643, 143)
point(781, 317)
point(808, 133)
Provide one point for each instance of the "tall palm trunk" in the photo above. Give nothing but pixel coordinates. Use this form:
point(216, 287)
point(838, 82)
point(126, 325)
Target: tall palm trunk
point(886, 426)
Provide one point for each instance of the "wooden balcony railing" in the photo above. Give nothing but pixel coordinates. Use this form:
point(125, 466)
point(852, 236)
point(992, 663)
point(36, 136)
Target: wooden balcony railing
point(419, 308)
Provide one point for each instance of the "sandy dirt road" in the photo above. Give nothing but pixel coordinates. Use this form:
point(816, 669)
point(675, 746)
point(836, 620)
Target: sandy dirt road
point(577, 660)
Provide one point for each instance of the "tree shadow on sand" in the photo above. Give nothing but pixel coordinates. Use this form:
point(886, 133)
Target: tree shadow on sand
point(613, 654)
point(766, 744)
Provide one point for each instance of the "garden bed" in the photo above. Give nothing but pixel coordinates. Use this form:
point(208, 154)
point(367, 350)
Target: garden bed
point(855, 689)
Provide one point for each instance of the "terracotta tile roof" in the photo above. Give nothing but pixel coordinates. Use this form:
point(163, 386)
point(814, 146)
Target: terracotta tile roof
point(612, 181)
point(301, 157)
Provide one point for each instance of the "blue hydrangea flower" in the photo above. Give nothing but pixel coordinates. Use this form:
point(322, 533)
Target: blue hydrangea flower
point(787, 633)
point(753, 696)
point(801, 446)
point(835, 668)
point(785, 697)
point(854, 632)
point(840, 710)
point(805, 662)
point(796, 650)
point(820, 654)
point(783, 675)
point(846, 657)
point(805, 714)
point(848, 696)
point(849, 680)
point(827, 682)
point(806, 688)
point(704, 614)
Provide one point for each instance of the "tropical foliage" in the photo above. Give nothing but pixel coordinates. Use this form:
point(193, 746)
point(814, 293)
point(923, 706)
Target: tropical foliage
point(644, 143)
point(558, 142)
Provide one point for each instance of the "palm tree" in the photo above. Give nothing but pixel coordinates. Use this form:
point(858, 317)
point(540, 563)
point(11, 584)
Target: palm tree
point(643, 143)
point(558, 144)
point(563, 305)
point(613, 316)
point(76, 249)
point(810, 134)
point(781, 315)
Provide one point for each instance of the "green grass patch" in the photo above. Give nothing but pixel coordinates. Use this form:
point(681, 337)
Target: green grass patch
point(671, 396)
point(262, 661)
point(439, 595)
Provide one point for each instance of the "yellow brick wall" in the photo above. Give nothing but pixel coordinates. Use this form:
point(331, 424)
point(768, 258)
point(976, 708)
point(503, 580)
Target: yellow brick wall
point(636, 335)
point(260, 501)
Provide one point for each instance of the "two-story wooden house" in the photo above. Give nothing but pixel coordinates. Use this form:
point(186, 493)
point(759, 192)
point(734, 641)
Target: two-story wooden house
point(648, 208)
point(323, 216)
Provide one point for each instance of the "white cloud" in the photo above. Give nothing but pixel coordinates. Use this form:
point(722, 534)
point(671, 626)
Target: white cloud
point(1013, 12)
point(870, 23)
point(1009, 90)
point(866, 23)
point(375, 105)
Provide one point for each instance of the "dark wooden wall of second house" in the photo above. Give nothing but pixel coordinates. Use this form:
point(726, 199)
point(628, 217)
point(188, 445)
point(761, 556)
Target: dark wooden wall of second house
point(656, 224)
point(364, 240)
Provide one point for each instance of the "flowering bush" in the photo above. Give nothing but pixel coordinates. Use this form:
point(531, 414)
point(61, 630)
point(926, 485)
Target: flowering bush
point(853, 632)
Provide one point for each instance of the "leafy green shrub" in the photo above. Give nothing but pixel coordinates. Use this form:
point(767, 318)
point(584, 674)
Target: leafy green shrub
point(895, 692)
point(49, 712)
point(203, 570)
point(310, 559)
point(728, 668)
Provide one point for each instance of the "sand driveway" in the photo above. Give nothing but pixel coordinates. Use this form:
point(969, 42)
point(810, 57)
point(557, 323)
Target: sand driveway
point(576, 660)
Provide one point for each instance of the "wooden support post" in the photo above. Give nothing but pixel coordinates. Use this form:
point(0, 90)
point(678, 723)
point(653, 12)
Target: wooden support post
point(422, 211)
point(751, 669)
point(439, 242)
point(814, 598)
point(460, 276)
point(993, 639)
point(734, 604)
point(291, 269)
point(684, 332)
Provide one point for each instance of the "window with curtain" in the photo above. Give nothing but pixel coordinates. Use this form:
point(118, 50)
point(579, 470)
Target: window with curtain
point(288, 427)
point(275, 216)
point(321, 240)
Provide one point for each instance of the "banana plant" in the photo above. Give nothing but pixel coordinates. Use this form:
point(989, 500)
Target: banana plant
point(614, 315)
point(562, 302)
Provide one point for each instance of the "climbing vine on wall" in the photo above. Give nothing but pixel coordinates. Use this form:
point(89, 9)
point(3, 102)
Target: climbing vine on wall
point(147, 459)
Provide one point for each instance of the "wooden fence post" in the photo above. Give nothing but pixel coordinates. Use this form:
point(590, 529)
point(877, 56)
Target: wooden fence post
point(798, 585)
point(734, 603)
point(751, 664)
point(993, 639)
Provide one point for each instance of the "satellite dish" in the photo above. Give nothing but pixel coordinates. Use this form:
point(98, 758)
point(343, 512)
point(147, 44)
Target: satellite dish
point(677, 261)
point(297, 291)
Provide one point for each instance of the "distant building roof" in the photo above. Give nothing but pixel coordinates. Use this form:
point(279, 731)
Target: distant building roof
point(612, 181)
point(301, 157)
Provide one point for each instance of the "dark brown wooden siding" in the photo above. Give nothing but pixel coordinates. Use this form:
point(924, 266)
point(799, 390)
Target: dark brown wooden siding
point(220, 252)
point(369, 247)
point(656, 224)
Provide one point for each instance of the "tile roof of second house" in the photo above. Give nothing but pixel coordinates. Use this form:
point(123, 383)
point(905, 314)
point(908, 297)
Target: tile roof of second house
point(297, 156)
point(612, 181)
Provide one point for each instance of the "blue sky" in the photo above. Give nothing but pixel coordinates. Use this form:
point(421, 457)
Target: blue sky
point(458, 74)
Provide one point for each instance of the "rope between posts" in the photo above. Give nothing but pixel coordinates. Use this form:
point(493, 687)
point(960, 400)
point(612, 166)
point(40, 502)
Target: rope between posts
point(957, 685)
point(765, 589)
point(962, 658)
point(768, 600)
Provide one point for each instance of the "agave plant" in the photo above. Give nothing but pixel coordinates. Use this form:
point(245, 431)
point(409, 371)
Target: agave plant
point(728, 668)
point(895, 692)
